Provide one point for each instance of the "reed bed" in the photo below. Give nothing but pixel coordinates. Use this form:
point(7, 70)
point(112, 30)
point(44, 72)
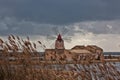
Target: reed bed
point(17, 63)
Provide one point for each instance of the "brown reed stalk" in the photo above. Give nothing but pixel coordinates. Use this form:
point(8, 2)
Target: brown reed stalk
point(24, 68)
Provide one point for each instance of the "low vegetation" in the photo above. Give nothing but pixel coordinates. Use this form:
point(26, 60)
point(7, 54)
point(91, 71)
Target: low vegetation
point(19, 60)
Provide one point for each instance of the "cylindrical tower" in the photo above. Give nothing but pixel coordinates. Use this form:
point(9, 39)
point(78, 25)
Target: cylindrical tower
point(59, 43)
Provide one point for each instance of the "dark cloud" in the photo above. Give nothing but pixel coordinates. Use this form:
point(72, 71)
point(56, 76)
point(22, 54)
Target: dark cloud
point(61, 11)
point(81, 21)
point(22, 27)
point(34, 17)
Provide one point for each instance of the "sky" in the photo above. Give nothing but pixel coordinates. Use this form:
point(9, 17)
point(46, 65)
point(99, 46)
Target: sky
point(81, 22)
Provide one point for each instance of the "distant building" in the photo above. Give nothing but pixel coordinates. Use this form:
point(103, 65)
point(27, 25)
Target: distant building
point(78, 52)
point(59, 43)
point(59, 51)
point(85, 52)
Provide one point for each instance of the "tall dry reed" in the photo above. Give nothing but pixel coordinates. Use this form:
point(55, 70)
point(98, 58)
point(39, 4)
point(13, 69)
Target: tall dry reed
point(19, 60)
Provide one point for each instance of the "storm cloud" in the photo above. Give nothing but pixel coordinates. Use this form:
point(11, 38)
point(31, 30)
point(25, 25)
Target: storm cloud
point(22, 27)
point(38, 16)
point(60, 11)
point(85, 21)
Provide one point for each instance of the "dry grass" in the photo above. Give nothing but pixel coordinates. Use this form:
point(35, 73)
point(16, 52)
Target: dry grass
point(24, 69)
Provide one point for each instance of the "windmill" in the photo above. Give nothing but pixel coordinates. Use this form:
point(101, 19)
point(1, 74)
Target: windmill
point(56, 30)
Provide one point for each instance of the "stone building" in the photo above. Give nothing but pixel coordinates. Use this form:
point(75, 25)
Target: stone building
point(87, 52)
point(79, 52)
point(59, 53)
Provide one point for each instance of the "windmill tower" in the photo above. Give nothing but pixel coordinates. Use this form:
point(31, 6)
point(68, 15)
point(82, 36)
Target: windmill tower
point(58, 31)
point(59, 43)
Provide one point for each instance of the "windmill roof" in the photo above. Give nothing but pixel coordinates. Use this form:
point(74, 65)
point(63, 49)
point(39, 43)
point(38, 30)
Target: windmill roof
point(59, 37)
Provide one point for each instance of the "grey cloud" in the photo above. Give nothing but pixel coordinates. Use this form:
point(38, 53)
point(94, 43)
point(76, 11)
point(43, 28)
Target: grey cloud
point(86, 21)
point(3, 27)
point(22, 27)
point(41, 17)
point(61, 11)
point(100, 27)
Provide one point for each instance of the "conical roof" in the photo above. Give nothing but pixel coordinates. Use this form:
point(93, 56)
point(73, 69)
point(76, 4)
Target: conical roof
point(59, 37)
